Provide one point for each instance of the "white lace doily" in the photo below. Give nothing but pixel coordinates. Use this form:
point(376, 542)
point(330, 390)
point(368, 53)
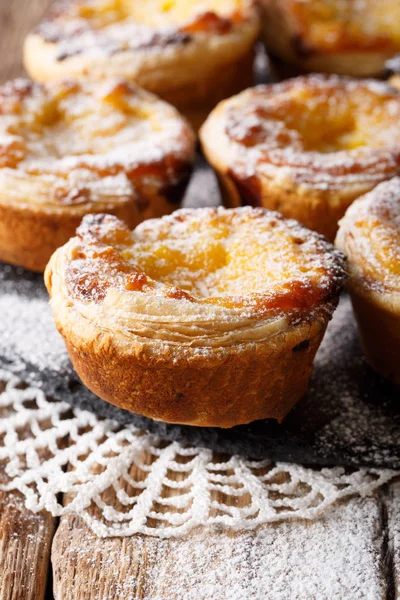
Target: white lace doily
point(122, 481)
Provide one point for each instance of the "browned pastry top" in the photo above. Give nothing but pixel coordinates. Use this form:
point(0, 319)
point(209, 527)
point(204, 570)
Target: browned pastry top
point(244, 263)
point(345, 25)
point(72, 143)
point(319, 131)
point(111, 26)
point(370, 234)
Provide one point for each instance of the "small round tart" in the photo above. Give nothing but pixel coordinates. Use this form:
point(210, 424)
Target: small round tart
point(191, 53)
point(369, 235)
point(307, 147)
point(207, 317)
point(331, 36)
point(68, 149)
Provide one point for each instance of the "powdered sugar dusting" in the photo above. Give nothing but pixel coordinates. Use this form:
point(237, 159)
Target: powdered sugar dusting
point(333, 557)
point(25, 313)
point(95, 28)
point(323, 132)
point(206, 256)
point(88, 142)
point(370, 235)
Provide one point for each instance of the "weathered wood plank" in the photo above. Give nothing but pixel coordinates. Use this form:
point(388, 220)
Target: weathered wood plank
point(25, 542)
point(17, 17)
point(392, 506)
point(338, 556)
point(25, 538)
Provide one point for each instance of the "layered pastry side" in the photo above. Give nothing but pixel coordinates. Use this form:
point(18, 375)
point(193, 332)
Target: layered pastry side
point(68, 149)
point(192, 53)
point(307, 147)
point(369, 235)
point(333, 36)
point(208, 317)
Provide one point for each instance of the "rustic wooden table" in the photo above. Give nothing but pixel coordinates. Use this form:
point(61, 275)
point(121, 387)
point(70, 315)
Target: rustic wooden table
point(353, 552)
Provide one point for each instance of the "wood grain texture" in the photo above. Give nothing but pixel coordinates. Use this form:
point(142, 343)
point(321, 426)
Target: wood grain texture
point(392, 517)
point(342, 555)
point(25, 538)
point(17, 17)
point(25, 541)
point(339, 556)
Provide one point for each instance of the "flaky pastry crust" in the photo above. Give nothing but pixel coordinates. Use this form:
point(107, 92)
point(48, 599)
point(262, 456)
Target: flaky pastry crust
point(333, 36)
point(191, 53)
point(307, 147)
point(206, 317)
point(369, 235)
point(68, 149)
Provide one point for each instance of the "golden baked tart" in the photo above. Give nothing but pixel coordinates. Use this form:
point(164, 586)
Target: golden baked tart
point(68, 149)
point(191, 53)
point(206, 317)
point(333, 36)
point(369, 235)
point(306, 147)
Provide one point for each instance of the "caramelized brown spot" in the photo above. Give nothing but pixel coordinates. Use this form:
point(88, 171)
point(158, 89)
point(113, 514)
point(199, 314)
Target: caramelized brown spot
point(89, 279)
point(11, 154)
point(84, 283)
point(102, 228)
point(103, 266)
point(177, 294)
point(295, 295)
point(209, 22)
point(252, 128)
point(135, 282)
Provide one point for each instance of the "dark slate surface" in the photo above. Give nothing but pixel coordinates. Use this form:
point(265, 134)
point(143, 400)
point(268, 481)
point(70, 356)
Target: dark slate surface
point(350, 416)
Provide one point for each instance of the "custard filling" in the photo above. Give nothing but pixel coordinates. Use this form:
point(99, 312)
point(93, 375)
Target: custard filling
point(321, 118)
point(231, 259)
point(155, 13)
point(330, 24)
point(70, 120)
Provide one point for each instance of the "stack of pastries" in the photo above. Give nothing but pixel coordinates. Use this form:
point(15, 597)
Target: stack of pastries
point(207, 317)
